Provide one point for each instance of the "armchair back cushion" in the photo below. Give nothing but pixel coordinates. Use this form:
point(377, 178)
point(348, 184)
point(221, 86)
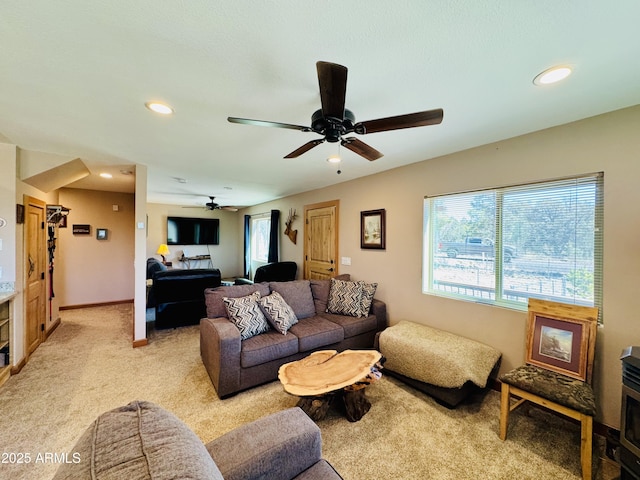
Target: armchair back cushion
point(154, 265)
point(140, 441)
point(276, 272)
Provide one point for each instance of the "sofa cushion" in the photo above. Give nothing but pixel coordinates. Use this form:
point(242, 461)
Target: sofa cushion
point(278, 312)
point(266, 347)
point(297, 294)
point(316, 332)
point(344, 297)
point(353, 326)
point(140, 441)
point(213, 296)
point(245, 313)
point(320, 291)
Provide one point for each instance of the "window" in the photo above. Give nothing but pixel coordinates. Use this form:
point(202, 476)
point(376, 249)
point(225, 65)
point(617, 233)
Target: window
point(505, 245)
point(260, 238)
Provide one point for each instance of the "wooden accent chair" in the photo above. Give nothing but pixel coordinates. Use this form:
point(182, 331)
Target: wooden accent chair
point(558, 370)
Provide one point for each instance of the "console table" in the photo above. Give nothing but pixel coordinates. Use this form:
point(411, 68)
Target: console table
point(188, 261)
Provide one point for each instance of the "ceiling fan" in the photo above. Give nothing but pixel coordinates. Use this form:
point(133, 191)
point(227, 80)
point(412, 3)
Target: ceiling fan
point(212, 205)
point(333, 120)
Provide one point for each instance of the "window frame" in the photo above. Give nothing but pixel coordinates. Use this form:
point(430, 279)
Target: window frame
point(430, 246)
point(255, 219)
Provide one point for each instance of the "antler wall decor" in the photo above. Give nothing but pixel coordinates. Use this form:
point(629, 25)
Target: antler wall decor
point(292, 234)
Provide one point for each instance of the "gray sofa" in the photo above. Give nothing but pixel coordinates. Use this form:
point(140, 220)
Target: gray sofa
point(142, 441)
point(235, 364)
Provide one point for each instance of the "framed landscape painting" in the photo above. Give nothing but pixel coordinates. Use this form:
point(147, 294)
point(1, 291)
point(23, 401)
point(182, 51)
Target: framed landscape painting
point(560, 337)
point(373, 229)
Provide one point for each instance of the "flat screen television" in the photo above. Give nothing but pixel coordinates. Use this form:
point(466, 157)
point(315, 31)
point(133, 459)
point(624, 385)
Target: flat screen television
point(193, 231)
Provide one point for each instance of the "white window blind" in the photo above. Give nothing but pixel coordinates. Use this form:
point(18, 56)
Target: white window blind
point(505, 245)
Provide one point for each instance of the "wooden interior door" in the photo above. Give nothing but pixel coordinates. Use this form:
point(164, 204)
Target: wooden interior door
point(321, 240)
point(35, 262)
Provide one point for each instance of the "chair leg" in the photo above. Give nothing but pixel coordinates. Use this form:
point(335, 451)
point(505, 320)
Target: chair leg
point(504, 410)
point(586, 445)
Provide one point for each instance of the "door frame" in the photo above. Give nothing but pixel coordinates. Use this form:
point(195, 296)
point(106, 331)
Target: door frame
point(42, 258)
point(336, 239)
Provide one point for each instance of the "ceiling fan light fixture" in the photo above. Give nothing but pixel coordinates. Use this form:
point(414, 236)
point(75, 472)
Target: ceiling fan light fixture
point(553, 75)
point(334, 159)
point(160, 108)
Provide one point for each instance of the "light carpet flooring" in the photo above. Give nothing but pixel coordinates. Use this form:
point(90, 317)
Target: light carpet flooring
point(88, 366)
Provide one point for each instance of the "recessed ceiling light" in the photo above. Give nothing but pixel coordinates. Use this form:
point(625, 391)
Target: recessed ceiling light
point(552, 75)
point(106, 175)
point(159, 108)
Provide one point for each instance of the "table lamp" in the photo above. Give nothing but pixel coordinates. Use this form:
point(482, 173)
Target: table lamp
point(162, 251)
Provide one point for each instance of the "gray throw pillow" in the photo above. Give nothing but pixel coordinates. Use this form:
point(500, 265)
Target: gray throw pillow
point(279, 314)
point(245, 313)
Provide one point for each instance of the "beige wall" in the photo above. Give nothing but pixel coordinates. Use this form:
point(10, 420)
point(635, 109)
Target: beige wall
point(8, 214)
point(90, 270)
point(223, 256)
point(608, 143)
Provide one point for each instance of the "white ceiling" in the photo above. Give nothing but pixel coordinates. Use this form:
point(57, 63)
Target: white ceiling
point(74, 77)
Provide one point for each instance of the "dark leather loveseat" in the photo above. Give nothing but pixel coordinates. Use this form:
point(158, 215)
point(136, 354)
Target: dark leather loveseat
point(179, 295)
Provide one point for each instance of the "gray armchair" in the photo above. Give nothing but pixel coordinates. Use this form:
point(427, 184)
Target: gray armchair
point(142, 441)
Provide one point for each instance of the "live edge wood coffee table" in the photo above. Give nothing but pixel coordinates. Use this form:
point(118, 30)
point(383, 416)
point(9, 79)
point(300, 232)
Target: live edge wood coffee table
point(326, 375)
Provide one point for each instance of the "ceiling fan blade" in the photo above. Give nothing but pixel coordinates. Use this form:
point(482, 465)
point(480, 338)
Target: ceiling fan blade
point(229, 208)
point(332, 79)
point(305, 148)
point(361, 148)
point(410, 120)
point(265, 123)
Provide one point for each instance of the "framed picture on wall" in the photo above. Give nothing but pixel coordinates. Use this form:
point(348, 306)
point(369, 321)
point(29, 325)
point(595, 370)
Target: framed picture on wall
point(101, 233)
point(19, 213)
point(81, 229)
point(373, 229)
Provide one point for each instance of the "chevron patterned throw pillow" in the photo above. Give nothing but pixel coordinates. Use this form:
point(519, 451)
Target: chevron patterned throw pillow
point(245, 314)
point(278, 312)
point(368, 291)
point(344, 298)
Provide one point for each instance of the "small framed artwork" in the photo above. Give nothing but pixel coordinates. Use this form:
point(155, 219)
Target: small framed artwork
point(81, 229)
point(101, 233)
point(19, 213)
point(560, 337)
point(373, 229)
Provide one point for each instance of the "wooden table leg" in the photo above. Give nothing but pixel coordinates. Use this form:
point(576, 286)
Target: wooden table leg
point(316, 407)
point(356, 404)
